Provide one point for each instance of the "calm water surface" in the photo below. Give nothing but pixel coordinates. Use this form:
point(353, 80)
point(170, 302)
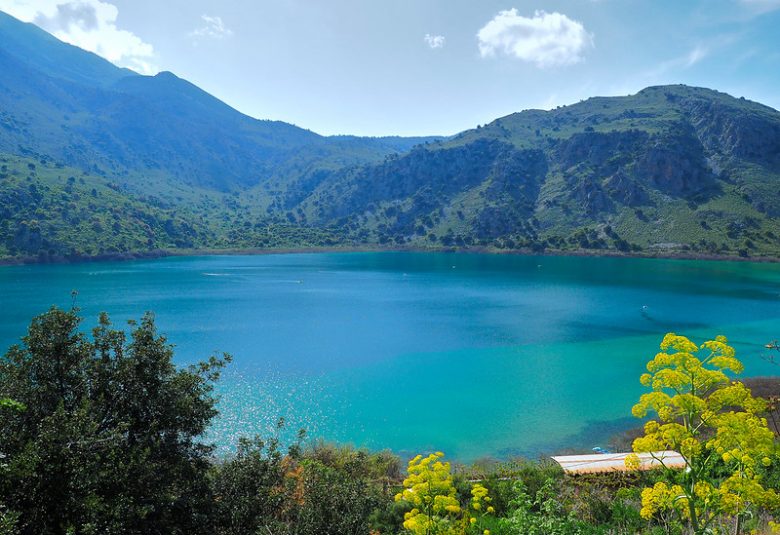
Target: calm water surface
point(475, 355)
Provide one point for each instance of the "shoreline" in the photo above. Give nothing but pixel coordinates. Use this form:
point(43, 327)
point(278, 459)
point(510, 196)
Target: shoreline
point(368, 248)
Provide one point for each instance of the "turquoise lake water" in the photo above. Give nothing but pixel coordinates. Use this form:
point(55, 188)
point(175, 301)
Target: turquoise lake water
point(474, 355)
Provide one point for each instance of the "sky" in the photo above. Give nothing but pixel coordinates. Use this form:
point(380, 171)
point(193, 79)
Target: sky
point(425, 67)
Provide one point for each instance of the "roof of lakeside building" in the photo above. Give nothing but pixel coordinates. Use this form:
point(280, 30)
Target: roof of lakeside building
point(600, 463)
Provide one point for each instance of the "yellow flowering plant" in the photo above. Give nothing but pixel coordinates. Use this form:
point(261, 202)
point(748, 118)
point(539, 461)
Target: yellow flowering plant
point(429, 491)
point(480, 504)
point(717, 427)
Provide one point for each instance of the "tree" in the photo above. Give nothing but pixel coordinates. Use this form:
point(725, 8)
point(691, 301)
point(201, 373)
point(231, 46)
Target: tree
point(715, 424)
point(110, 438)
point(8, 519)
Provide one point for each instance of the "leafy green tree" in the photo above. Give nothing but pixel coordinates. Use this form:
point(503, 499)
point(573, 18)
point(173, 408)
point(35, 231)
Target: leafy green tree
point(110, 438)
point(715, 424)
point(8, 403)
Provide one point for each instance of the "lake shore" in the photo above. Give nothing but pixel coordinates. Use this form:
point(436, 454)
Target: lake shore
point(368, 248)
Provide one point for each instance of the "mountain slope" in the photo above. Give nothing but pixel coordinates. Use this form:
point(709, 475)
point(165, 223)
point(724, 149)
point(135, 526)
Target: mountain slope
point(161, 131)
point(671, 167)
point(45, 53)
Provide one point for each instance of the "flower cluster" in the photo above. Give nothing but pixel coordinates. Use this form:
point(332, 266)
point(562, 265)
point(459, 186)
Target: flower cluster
point(480, 497)
point(662, 497)
point(431, 492)
point(700, 412)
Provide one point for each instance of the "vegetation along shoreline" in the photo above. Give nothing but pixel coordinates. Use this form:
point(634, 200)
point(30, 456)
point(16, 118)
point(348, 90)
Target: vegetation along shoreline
point(166, 253)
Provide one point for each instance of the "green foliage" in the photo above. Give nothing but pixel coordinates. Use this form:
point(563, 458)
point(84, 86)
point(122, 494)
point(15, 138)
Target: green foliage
point(250, 489)
point(10, 404)
point(261, 489)
point(540, 514)
point(48, 215)
point(109, 439)
point(336, 500)
point(437, 503)
point(8, 519)
point(323, 490)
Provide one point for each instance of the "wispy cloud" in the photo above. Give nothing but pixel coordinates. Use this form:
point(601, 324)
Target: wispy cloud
point(435, 41)
point(761, 6)
point(695, 56)
point(89, 24)
point(546, 39)
point(213, 28)
point(679, 63)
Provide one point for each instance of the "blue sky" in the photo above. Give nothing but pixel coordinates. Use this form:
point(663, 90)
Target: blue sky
point(418, 67)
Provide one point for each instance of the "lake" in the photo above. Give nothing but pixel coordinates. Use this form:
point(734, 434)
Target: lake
point(474, 355)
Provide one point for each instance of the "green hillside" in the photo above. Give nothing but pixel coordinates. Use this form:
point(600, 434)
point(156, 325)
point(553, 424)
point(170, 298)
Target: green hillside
point(50, 212)
point(159, 164)
point(670, 169)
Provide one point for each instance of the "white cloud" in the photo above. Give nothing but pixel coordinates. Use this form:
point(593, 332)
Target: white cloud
point(435, 41)
point(89, 24)
point(546, 39)
point(214, 28)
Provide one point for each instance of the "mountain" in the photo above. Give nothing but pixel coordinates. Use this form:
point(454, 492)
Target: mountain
point(98, 160)
point(63, 102)
point(672, 168)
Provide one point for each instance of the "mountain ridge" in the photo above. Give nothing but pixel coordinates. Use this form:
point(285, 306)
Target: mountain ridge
point(95, 113)
point(154, 162)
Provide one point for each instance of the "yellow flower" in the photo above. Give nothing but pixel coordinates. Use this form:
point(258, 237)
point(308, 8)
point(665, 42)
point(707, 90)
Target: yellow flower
point(430, 489)
point(632, 461)
point(707, 417)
